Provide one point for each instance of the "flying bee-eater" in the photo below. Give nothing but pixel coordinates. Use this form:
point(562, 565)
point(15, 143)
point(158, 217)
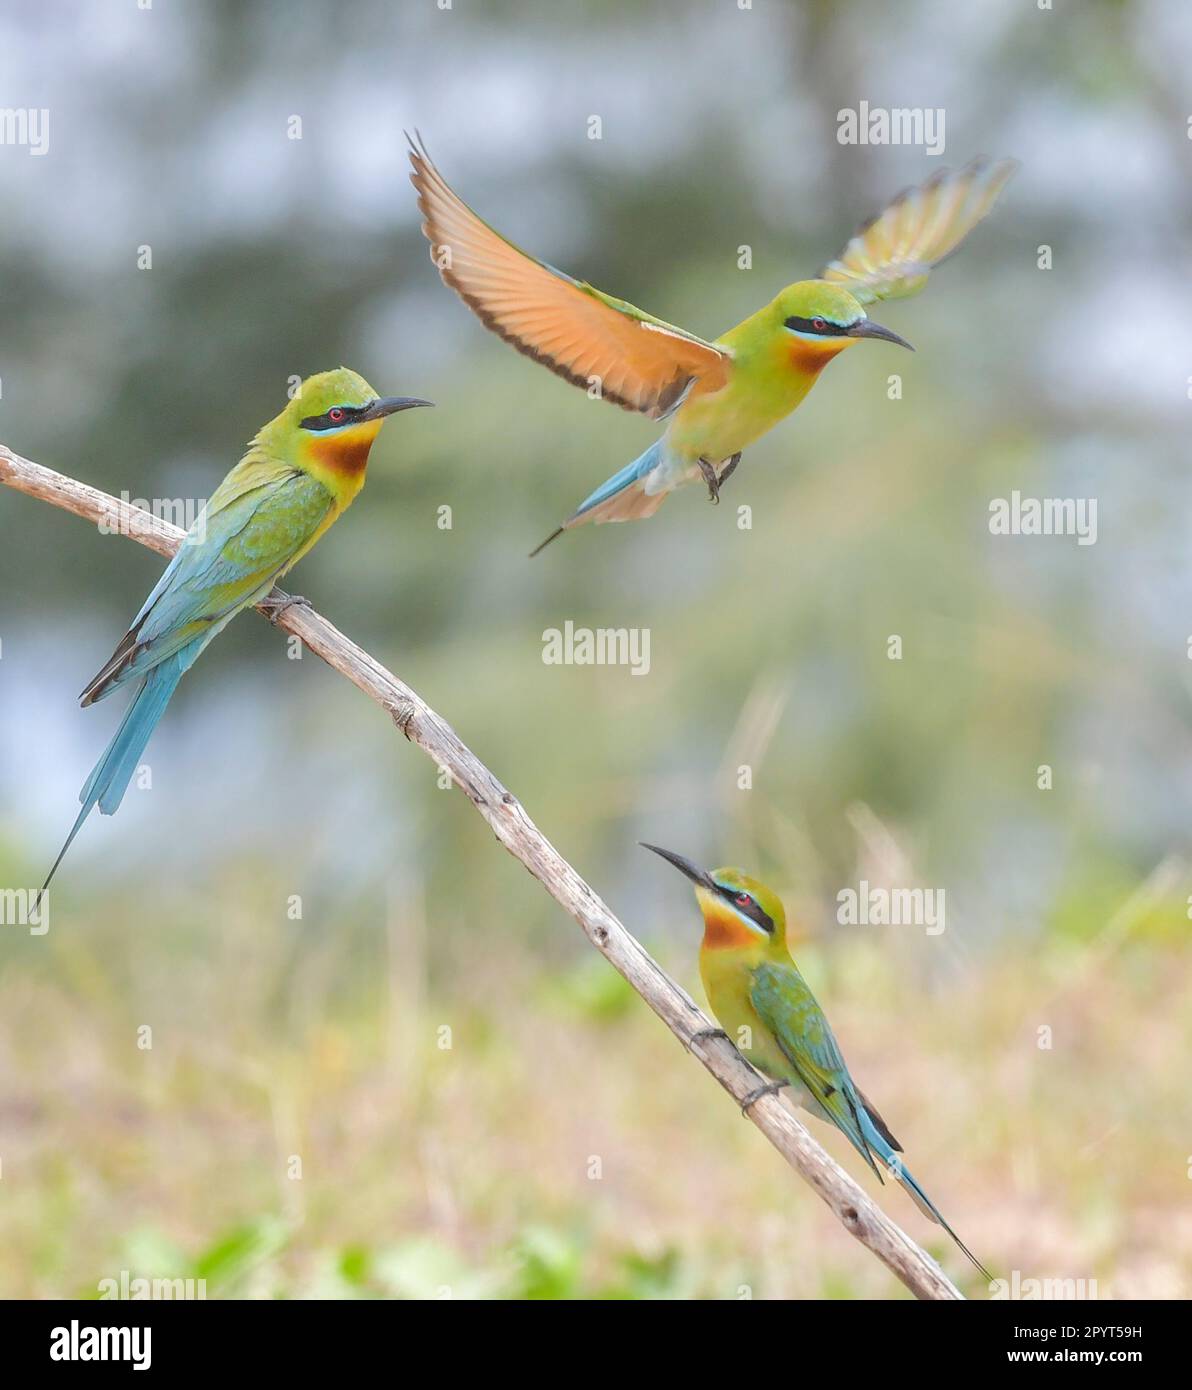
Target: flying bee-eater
point(300, 474)
point(753, 984)
point(717, 396)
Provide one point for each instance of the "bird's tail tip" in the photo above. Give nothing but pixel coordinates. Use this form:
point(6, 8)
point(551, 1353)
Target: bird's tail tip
point(554, 536)
point(932, 1212)
point(88, 805)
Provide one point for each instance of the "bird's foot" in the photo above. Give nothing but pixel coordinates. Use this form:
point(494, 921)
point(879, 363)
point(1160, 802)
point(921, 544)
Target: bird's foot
point(713, 482)
point(708, 1033)
point(276, 604)
point(771, 1088)
point(716, 483)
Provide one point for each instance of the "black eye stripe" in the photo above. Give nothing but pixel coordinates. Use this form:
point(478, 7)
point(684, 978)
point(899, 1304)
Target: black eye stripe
point(751, 909)
point(324, 421)
point(829, 330)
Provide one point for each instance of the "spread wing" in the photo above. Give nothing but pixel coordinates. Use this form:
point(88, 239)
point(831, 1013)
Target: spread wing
point(258, 520)
point(892, 254)
point(639, 362)
point(787, 1007)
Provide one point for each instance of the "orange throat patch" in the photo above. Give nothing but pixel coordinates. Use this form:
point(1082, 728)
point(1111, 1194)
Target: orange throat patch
point(810, 358)
point(346, 453)
point(724, 930)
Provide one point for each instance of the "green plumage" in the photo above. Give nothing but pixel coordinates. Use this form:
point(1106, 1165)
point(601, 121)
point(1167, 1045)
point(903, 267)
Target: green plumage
point(766, 1007)
point(300, 473)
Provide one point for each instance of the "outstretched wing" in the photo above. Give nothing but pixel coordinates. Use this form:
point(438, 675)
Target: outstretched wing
point(787, 1007)
point(892, 254)
point(259, 520)
point(639, 362)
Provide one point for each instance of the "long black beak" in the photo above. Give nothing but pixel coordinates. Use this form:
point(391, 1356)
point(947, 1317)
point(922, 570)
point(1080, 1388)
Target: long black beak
point(866, 328)
point(389, 405)
point(684, 866)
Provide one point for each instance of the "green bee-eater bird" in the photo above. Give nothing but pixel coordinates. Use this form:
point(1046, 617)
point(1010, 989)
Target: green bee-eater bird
point(753, 984)
point(300, 474)
point(717, 396)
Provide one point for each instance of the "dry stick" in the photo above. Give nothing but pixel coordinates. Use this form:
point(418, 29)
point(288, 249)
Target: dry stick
point(522, 838)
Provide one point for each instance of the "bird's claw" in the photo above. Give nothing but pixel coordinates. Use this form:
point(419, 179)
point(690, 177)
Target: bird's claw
point(276, 605)
point(707, 1033)
point(713, 482)
point(771, 1088)
point(716, 483)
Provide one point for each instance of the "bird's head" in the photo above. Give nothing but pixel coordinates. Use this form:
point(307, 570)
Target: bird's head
point(739, 912)
point(821, 320)
point(330, 423)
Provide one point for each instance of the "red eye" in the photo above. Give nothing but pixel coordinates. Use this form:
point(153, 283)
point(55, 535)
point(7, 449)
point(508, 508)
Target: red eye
point(743, 899)
point(335, 414)
point(819, 325)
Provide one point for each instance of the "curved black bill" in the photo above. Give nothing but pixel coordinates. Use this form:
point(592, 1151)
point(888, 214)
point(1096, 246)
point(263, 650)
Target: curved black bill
point(389, 405)
point(684, 866)
point(866, 328)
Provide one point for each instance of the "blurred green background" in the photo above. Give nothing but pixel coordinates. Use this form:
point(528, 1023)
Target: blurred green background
point(469, 1168)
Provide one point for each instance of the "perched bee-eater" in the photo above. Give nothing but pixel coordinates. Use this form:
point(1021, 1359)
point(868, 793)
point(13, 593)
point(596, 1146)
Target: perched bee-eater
point(718, 396)
point(301, 472)
point(752, 983)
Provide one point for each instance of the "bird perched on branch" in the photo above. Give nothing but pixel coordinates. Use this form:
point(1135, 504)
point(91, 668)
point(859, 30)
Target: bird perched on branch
point(718, 396)
point(300, 474)
point(765, 1007)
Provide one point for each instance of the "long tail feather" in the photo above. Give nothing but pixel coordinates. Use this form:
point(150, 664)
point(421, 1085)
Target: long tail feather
point(554, 536)
point(74, 830)
point(630, 503)
point(109, 782)
point(893, 1161)
point(596, 505)
point(111, 775)
point(619, 498)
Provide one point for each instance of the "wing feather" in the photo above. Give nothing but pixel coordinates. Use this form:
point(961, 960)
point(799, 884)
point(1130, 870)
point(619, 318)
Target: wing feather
point(256, 523)
point(641, 363)
point(893, 253)
point(789, 1010)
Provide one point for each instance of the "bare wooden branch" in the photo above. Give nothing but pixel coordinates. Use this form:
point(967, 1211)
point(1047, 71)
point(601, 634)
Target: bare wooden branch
point(861, 1217)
